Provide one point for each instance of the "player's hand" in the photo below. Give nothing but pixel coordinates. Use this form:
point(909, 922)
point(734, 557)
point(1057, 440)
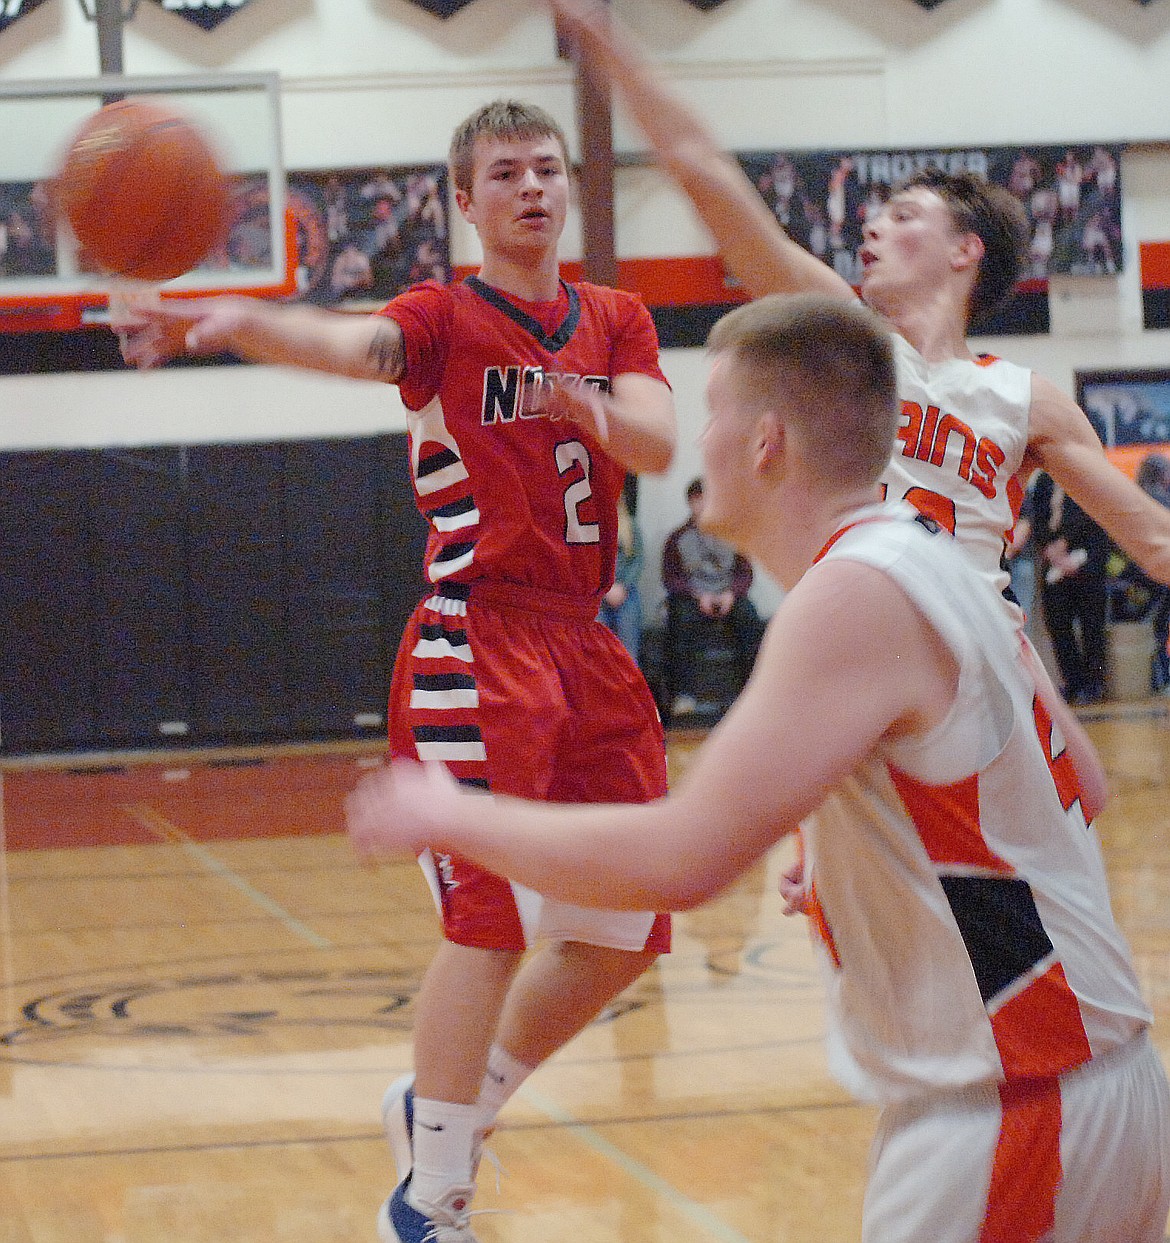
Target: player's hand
point(216, 324)
point(146, 338)
point(566, 397)
point(392, 811)
point(153, 331)
point(794, 890)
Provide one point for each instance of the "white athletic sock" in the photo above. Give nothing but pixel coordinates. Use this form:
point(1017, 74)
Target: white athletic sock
point(443, 1135)
point(504, 1075)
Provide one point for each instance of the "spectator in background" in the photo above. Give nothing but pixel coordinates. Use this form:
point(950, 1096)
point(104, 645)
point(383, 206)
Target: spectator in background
point(1071, 552)
point(707, 584)
point(621, 606)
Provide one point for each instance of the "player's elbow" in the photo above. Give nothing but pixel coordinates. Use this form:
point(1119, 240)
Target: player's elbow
point(658, 442)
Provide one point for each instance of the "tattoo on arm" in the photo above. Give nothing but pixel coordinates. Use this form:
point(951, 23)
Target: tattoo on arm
point(387, 353)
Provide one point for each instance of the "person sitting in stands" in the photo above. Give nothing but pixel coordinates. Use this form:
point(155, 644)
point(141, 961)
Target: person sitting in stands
point(707, 585)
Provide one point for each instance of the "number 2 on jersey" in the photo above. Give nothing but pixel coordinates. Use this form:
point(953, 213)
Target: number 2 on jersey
point(572, 453)
point(931, 505)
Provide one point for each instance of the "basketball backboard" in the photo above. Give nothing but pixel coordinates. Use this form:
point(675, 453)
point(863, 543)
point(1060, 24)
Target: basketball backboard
point(43, 281)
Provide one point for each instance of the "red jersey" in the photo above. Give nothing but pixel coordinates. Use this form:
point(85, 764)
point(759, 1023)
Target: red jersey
point(510, 496)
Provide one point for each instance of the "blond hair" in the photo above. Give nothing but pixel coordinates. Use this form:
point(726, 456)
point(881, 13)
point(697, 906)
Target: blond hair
point(829, 366)
point(506, 119)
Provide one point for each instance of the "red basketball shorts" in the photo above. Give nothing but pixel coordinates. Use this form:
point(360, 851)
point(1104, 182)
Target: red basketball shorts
point(525, 693)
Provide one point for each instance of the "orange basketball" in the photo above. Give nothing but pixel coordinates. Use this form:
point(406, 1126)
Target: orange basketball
point(143, 191)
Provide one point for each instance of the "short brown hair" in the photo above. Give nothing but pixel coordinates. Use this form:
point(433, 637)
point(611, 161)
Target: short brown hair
point(506, 119)
point(997, 218)
point(830, 366)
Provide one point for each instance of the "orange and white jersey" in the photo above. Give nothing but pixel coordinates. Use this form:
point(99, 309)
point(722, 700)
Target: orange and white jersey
point(959, 897)
point(961, 443)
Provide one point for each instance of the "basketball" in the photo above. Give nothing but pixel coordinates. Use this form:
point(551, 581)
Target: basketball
point(143, 192)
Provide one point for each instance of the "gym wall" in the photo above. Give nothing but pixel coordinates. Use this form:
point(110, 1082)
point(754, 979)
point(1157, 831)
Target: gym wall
point(367, 81)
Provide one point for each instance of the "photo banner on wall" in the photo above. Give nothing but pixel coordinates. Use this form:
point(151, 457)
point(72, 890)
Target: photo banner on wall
point(1070, 193)
point(1131, 409)
point(28, 235)
point(207, 14)
point(363, 235)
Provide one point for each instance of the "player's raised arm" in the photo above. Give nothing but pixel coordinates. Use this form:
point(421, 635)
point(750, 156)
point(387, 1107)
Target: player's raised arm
point(752, 243)
point(363, 347)
point(1062, 442)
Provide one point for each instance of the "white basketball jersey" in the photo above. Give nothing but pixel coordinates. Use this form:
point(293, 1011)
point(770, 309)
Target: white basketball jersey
point(959, 896)
point(961, 441)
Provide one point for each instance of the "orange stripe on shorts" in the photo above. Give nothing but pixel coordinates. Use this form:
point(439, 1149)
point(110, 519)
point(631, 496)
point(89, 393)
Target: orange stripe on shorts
point(1021, 1202)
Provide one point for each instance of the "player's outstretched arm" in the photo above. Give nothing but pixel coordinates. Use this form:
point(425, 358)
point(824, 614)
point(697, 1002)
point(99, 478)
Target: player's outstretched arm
point(363, 347)
point(750, 239)
point(800, 726)
point(1061, 441)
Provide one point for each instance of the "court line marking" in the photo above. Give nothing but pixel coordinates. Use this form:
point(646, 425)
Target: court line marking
point(698, 1213)
point(158, 825)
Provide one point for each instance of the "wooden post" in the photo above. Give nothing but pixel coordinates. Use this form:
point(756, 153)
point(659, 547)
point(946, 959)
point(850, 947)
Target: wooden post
point(595, 129)
point(110, 18)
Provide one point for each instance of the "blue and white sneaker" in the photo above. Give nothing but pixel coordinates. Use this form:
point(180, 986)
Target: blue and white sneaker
point(401, 1221)
point(398, 1123)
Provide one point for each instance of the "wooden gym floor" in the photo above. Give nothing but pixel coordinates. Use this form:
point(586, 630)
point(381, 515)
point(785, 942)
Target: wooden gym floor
point(203, 996)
